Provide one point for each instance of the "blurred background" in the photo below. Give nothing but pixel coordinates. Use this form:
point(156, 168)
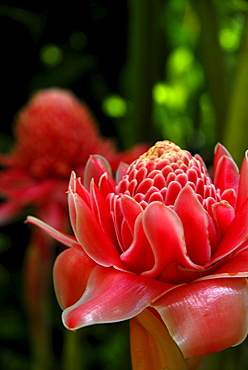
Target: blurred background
point(149, 70)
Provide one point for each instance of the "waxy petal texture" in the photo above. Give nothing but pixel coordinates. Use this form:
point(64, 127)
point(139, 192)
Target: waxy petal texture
point(196, 220)
point(86, 227)
point(166, 238)
point(206, 317)
point(68, 268)
point(112, 296)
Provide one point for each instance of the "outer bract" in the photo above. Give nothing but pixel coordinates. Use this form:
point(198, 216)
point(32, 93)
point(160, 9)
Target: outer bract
point(165, 237)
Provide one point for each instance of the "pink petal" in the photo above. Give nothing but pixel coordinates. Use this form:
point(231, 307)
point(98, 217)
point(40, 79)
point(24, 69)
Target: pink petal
point(223, 215)
point(152, 347)
point(106, 185)
point(164, 231)
point(227, 174)
point(219, 151)
point(236, 235)
point(91, 236)
point(126, 235)
point(130, 210)
point(230, 196)
point(95, 167)
point(206, 316)
point(76, 186)
point(121, 171)
point(112, 296)
point(102, 213)
point(195, 224)
point(71, 272)
point(243, 187)
point(139, 257)
point(63, 238)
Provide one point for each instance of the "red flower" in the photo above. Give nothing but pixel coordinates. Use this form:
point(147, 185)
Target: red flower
point(163, 237)
point(55, 133)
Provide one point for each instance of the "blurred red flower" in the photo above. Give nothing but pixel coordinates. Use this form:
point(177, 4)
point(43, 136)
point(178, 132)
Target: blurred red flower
point(164, 246)
point(55, 134)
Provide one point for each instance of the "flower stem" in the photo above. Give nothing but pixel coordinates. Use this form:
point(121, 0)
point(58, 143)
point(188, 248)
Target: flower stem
point(72, 357)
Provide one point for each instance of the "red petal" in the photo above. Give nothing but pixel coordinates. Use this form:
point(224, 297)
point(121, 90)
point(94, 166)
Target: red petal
point(164, 231)
point(112, 296)
point(139, 257)
point(243, 187)
point(71, 272)
point(236, 235)
point(206, 316)
point(223, 215)
point(66, 239)
point(195, 224)
point(130, 209)
point(152, 347)
point(106, 185)
point(95, 167)
point(76, 186)
point(219, 152)
point(101, 212)
point(91, 236)
point(226, 173)
point(121, 171)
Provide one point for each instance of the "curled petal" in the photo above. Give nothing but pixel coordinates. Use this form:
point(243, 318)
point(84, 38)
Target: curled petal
point(71, 272)
point(139, 256)
point(151, 345)
point(112, 296)
point(130, 210)
point(219, 153)
point(101, 211)
point(226, 173)
point(76, 186)
point(95, 167)
point(236, 235)
point(206, 316)
point(223, 215)
point(121, 171)
point(63, 238)
point(195, 224)
point(164, 231)
point(91, 236)
point(106, 184)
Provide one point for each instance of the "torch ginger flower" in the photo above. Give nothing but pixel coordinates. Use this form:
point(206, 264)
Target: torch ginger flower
point(162, 244)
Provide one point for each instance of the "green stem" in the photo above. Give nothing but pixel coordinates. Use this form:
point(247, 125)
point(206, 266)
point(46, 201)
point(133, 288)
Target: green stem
point(235, 138)
point(212, 58)
point(144, 61)
point(72, 356)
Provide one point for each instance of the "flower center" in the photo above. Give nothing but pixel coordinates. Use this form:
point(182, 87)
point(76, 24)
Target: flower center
point(161, 173)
